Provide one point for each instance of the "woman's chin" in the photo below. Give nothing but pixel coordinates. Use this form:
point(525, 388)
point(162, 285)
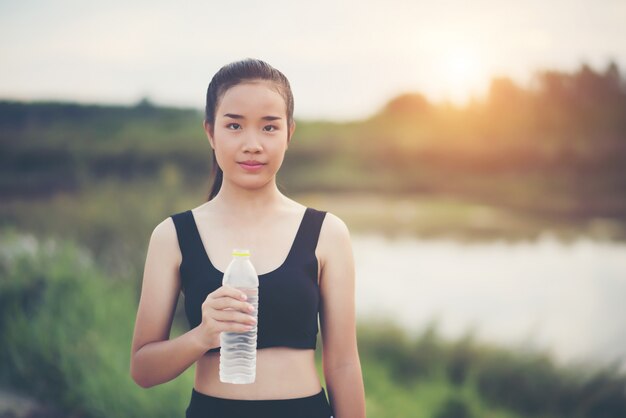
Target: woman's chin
point(253, 182)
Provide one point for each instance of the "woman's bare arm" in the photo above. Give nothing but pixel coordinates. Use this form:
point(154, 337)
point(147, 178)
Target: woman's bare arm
point(341, 363)
point(155, 358)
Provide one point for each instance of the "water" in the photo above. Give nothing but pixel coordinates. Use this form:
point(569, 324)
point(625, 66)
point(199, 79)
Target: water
point(238, 350)
point(563, 299)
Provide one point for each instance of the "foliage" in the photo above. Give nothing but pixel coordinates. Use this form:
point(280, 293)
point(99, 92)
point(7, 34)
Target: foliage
point(555, 148)
point(66, 331)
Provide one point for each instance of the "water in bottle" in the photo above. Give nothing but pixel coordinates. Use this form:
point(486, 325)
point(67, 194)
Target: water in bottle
point(238, 349)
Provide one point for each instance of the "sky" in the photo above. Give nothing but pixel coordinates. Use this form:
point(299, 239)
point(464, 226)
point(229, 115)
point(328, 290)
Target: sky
point(344, 59)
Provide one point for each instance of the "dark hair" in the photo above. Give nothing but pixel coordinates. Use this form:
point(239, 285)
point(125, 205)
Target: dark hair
point(230, 75)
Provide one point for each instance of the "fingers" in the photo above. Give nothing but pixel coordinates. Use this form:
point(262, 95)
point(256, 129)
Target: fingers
point(229, 291)
point(233, 316)
point(230, 303)
point(233, 327)
point(225, 310)
point(229, 298)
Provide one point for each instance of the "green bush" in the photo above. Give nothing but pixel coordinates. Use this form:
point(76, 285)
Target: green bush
point(532, 385)
point(454, 407)
point(66, 332)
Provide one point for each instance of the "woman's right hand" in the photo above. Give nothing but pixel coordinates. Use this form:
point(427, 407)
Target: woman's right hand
point(225, 310)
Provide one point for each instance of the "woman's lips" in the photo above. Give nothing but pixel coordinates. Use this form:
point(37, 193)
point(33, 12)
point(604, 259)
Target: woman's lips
point(251, 167)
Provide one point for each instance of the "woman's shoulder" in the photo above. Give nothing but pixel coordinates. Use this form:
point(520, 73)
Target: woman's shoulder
point(334, 247)
point(165, 231)
point(333, 226)
point(164, 241)
point(184, 216)
point(334, 236)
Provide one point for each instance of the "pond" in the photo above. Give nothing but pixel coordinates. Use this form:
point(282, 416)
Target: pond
point(566, 299)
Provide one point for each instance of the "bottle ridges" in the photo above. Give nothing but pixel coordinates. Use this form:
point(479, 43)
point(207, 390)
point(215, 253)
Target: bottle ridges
point(238, 351)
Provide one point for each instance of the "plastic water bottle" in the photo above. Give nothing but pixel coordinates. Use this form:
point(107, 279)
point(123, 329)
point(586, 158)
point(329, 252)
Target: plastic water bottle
point(238, 349)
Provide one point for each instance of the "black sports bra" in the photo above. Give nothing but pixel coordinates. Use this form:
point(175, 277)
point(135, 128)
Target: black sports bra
point(289, 296)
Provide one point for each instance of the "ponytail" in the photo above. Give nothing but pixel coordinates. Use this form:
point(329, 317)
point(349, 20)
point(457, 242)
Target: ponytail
point(217, 174)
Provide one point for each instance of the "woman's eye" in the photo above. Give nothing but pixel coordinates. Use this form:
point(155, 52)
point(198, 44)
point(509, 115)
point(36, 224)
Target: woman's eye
point(269, 128)
point(233, 126)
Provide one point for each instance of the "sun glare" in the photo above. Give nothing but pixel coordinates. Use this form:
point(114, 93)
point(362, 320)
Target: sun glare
point(462, 73)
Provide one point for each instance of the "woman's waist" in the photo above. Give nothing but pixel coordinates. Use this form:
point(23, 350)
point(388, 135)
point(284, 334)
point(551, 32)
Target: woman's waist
point(281, 373)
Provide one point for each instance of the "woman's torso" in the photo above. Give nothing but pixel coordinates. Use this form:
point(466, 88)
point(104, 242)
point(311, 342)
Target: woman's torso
point(281, 372)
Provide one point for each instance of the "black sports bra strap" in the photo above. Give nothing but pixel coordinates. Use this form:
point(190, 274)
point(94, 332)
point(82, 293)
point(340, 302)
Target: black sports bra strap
point(310, 231)
point(192, 248)
point(188, 239)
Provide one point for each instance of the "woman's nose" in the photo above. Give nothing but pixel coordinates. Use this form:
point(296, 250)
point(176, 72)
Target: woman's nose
point(252, 143)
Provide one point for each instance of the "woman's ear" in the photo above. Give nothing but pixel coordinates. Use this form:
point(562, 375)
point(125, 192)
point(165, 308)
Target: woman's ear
point(292, 129)
point(208, 129)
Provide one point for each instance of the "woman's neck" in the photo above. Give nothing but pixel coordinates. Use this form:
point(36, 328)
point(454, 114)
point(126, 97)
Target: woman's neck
point(248, 202)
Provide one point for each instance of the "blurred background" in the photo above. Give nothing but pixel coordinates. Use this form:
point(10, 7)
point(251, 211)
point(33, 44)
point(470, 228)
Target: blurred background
point(476, 150)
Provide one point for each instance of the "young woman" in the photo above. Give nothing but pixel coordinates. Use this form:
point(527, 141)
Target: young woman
point(303, 257)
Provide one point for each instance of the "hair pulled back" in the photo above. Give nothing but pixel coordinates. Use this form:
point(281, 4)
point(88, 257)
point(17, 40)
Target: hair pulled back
point(229, 76)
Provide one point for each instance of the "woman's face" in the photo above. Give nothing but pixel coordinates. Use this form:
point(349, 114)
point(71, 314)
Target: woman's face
point(251, 134)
